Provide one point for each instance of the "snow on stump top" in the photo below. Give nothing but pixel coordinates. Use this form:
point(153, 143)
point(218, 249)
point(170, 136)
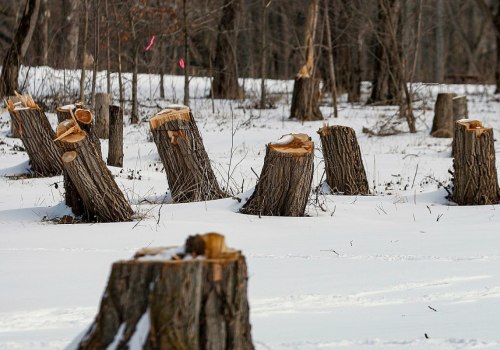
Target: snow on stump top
point(175, 298)
point(475, 179)
point(180, 146)
point(285, 181)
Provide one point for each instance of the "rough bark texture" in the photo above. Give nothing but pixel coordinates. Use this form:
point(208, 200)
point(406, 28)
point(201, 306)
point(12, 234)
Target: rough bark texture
point(37, 137)
point(345, 172)
point(18, 48)
point(442, 125)
point(115, 150)
point(192, 304)
point(225, 82)
point(475, 178)
point(102, 102)
point(103, 200)
point(460, 110)
point(14, 132)
point(189, 173)
point(305, 99)
point(285, 181)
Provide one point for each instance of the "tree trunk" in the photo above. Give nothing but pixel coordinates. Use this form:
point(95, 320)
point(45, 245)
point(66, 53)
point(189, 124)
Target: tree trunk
point(189, 173)
point(72, 26)
point(388, 82)
point(475, 178)
point(225, 82)
point(17, 50)
point(85, 121)
point(37, 137)
point(344, 168)
point(103, 200)
point(442, 125)
point(169, 303)
point(496, 21)
point(305, 97)
point(14, 132)
point(115, 150)
point(83, 51)
point(285, 181)
point(43, 23)
point(95, 65)
point(134, 114)
point(331, 64)
point(102, 102)
point(460, 110)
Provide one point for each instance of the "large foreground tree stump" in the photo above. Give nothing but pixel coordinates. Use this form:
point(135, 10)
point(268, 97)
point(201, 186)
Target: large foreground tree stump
point(102, 102)
point(285, 181)
point(475, 179)
point(158, 301)
point(344, 168)
point(305, 99)
point(115, 149)
point(37, 136)
point(442, 124)
point(189, 173)
point(103, 201)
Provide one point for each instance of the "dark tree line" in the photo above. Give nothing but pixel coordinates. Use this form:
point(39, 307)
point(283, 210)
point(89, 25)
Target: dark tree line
point(426, 40)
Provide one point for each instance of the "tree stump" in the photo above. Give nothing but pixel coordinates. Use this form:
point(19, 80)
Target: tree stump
point(115, 149)
point(158, 301)
point(344, 168)
point(460, 110)
point(189, 173)
point(475, 178)
point(285, 181)
point(305, 99)
point(85, 120)
point(14, 132)
point(102, 200)
point(102, 102)
point(37, 136)
point(442, 125)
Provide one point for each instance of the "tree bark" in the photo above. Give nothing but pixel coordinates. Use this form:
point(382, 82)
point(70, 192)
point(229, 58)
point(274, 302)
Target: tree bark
point(225, 82)
point(305, 97)
point(174, 304)
point(344, 168)
point(115, 150)
point(387, 83)
point(460, 110)
point(442, 125)
point(285, 181)
point(189, 173)
point(83, 51)
point(37, 137)
point(72, 25)
point(14, 132)
point(18, 48)
point(475, 179)
point(103, 201)
point(85, 121)
point(102, 102)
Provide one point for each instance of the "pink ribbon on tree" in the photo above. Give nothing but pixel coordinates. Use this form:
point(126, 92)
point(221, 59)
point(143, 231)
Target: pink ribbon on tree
point(151, 42)
point(181, 63)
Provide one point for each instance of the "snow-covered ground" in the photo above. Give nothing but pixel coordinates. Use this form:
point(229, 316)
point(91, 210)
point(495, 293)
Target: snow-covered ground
point(373, 272)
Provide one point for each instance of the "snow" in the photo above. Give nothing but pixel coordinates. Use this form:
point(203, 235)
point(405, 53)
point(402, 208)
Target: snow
point(284, 140)
point(360, 272)
point(141, 332)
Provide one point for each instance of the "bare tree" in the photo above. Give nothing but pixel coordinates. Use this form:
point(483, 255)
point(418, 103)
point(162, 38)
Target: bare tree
point(18, 48)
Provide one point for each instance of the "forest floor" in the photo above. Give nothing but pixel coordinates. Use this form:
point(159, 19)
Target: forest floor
point(403, 268)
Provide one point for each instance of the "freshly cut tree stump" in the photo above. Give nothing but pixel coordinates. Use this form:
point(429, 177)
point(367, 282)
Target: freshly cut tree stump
point(85, 120)
point(189, 173)
point(37, 136)
point(345, 172)
point(115, 149)
point(442, 125)
point(305, 99)
point(475, 179)
point(102, 102)
point(158, 301)
point(460, 110)
point(285, 181)
point(102, 200)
